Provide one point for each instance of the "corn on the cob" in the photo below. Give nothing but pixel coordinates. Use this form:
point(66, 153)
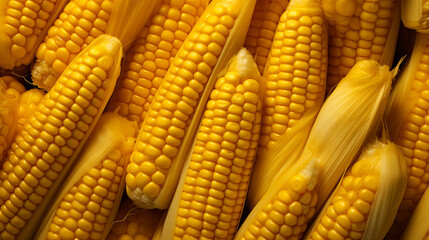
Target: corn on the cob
point(262, 29)
point(211, 193)
point(10, 91)
point(23, 25)
point(415, 14)
point(133, 223)
point(87, 204)
point(360, 29)
point(352, 112)
point(151, 55)
point(174, 114)
point(295, 84)
point(365, 202)
point(42, 154)
point(79, 24)
point(406, 118)
point(28, 102)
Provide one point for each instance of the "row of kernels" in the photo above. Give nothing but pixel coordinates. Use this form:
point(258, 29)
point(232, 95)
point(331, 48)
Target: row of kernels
point(186, 78)
point(412, 138)
point(152, 55)
point(41, 132)
point(210, 168)
point(360, 36)
point(262, 29)
point(85, 209)
point(287, 215)
point(24, 22)
point(294, 74)
point(349, 209)
point(77, 28)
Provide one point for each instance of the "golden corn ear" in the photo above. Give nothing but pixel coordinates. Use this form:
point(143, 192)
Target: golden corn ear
point(295, 84)
point(23, 25)
point(28, 102)
point(134, 223)
point(78, 25)
point(42, 154)
point(285, 214)
point(210, 196)
point(408, 109)
point(365, 202)
point(415, 15)
point(87, 204)
point(173, 117)
point(360, 30)
point(152, 54)
point(348, 116)
point(418, 226)
point(262, 29)
point(10, 91)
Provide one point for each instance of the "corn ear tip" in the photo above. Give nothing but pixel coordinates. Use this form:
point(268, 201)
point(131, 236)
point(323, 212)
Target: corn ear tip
point(42, 75)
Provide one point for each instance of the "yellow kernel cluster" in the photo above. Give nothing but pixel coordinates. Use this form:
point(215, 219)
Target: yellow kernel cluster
point(134, 223)
point(295, 73)
point(50, 137)
point(358, 29)
point(83, 212)
point(24, 22)
point(261, 31)
point(219, 172)
point(413, 139)
point(151, 55)
point(174, 104)
point(347, 213)
point(10, 91)
point(287, 215)
point(28, 102)
point(77, 26)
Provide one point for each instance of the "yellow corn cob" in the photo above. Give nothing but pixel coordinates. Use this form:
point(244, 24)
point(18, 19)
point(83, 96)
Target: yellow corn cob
point(42, 154)
point(151, 55)
point(408, 109)
point(415, 14)
point(28, 102)
point(23, 25)
point(365, 202)
point(296, 78)
point(418, 226)
point(210, 196)
point(79, 24)
point(133, 223)
point(262, 28)
point(349, 115)
point(10, 91)
point(360, 29)
point(86, 206)
point(174, 114)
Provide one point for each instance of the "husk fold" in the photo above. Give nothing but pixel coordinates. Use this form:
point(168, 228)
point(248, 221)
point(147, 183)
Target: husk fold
point(347, 118)
point(384, 160)
point(111, 132)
